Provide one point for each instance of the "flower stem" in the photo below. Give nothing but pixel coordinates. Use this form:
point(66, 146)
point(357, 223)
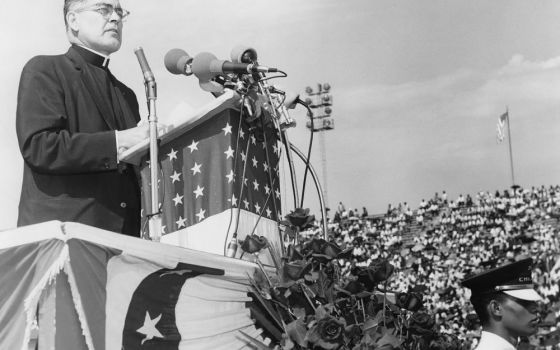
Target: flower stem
point(363, 309)
point(303, 289)
point(263, 271)
point(384, 304)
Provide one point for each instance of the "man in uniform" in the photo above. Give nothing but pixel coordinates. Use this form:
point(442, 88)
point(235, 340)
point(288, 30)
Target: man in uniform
point(73, 117)
point(506, 304)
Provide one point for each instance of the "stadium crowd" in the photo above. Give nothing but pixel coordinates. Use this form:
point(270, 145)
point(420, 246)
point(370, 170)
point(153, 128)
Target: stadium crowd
point(434, 246)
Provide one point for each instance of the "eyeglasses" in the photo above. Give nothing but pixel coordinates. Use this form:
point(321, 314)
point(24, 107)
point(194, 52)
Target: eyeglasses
point(106, 10)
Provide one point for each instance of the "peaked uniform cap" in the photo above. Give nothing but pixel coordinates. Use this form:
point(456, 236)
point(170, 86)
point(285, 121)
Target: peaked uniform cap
point(513, 279)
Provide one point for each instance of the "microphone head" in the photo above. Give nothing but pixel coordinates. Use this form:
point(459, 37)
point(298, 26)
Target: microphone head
point(243, 54)
point(177, 61)
point(291, 100)
point(201, 66)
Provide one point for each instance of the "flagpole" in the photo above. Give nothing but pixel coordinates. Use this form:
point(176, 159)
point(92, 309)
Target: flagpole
point(510, 151)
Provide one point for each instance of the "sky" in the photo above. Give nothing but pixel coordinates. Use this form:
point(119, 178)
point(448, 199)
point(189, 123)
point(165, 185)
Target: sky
point(417, 86)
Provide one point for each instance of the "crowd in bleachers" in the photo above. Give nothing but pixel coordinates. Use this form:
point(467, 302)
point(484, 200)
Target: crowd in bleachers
point(437, 244)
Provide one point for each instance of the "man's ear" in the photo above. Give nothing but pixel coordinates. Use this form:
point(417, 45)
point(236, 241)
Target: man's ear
point(495, 308)
point(72, 20)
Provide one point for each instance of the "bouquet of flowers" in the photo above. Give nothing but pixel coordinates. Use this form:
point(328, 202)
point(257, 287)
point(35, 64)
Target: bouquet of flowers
point(313, 302)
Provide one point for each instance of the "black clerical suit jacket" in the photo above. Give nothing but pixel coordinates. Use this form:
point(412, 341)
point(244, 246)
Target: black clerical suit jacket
point(65, 126)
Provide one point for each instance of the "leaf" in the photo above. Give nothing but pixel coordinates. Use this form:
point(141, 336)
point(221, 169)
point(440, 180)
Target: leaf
point(286, 284)
point(299, 312)
point(371, 324)
point(257, 343)
point(297, 330)
point(321, 312)
point(287, 293)
point(389, 341)
point(287, 344)
point(271, 312)
point(367, 340)
point(314, 275)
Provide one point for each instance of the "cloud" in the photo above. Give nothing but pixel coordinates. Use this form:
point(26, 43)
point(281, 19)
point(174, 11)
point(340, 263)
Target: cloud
point(519, 65)
point(529, 86)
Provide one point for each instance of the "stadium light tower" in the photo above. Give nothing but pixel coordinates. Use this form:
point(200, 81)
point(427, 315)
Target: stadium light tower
point(321, 101)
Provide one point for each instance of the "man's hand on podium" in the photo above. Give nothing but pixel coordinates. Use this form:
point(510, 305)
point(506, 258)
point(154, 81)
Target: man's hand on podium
point(130, 137)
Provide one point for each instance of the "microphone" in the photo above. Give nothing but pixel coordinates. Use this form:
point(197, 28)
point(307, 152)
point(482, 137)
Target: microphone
point(232, 247)
point(148, 75)
point(243, 54)
point(223, 67)
point(292, 99)
point(205, 65)
point(178, 61)
point(149, 79)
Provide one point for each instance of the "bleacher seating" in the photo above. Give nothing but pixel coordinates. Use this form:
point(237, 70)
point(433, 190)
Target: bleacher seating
point(437, 244)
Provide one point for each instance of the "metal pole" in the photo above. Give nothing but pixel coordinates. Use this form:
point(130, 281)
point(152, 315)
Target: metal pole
point(510, 151)
point(323, 146)
point(151, 95)
point(155, 218)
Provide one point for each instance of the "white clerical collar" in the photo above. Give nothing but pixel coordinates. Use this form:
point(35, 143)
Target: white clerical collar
point(105, 57)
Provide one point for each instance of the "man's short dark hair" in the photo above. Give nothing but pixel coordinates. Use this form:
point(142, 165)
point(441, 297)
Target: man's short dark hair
point(67, 5)
point(480, 304)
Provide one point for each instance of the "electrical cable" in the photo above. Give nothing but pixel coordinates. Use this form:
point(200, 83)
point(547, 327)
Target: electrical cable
point(310, 114)
point(284, 75)
point(239, 130)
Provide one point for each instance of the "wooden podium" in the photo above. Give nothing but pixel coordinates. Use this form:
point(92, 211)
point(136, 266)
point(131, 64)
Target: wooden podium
point(216, 178)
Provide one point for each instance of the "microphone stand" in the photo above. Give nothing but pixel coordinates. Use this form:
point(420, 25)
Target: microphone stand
point(154, 217)
point(280, 113)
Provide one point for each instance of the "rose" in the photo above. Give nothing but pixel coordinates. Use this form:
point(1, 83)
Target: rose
point(316, 245)
point(445, 342)
point(410, 301)
point(253, 244)
point(354, 287)
point(330, 329)
point(335, 252)
point(331, 250)
point(421, 323)
point(326, 251)
point(327, 333)
point(378, 271)
point(366, 276)
point(300, 218)
point(295, 270)
point(382, 270)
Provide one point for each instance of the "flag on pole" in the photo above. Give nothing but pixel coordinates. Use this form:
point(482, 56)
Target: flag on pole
point(500, 133)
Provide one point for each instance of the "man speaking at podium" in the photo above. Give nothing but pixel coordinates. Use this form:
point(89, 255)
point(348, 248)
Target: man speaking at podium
point(73, 117)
